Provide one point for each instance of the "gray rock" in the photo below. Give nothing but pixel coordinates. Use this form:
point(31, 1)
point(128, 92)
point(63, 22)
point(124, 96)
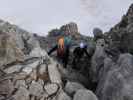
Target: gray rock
point(44, 96)
point(84, 95)
point(117, 80)
point(27, 70)
point(43, 69)
point(121, 34)
point(2, 97)
point(32, 41)
point(29, 67)
point(54, 74)
point(100, 43)
point(63, 96)
point(41, 82)
point(42, 72)
point(72, 87)
point(6, 87)
point(20, 83)
point(97, 61)
point(9, 51)
point(14, 68)
point(21, 94)
point(15, 31)
point(70, 28)
point(38, 52)
point(19, 41)
point(36, 89)
point(74, 76)
point(51, 89)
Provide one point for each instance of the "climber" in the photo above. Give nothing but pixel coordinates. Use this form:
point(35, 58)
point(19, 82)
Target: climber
point(78, 53)
point(62, 48)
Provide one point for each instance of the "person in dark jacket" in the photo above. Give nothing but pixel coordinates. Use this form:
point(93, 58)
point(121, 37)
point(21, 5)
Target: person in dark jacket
point(78, 53)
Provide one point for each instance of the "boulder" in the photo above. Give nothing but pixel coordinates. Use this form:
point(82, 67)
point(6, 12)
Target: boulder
point(63, 96)
point(51, 89)
point(33, 42)
point(84, 95)
point(36, 89)
point(22, 94)
point(28, 68)
point(2, 97)
point(20, 83)
point(72, 87)
point(54, 74)
point(6, 87)
point(42, 69)
point(74, 76)
point(38, 52)
point(41, 82)
point(116, 83)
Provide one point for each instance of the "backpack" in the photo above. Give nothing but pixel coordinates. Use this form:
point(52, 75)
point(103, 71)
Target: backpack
point(63, 44)
point(61, 47)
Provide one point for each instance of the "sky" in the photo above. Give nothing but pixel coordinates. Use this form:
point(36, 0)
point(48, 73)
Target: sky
point(40, 16)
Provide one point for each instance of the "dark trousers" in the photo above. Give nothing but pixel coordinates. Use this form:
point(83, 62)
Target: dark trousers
point(64, 58)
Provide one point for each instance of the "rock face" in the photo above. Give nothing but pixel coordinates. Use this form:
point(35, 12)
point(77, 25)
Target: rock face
point(70, 28)
point(15, 31)
point(23, 39)
point(116, 81)
point(9, 52)
point(97, 60)
point(121, 35)
point(114, 77)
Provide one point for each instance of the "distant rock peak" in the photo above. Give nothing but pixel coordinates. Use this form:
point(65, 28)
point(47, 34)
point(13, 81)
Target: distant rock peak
point(67, 29)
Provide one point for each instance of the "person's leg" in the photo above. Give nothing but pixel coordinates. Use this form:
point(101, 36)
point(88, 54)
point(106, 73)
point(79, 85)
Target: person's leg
point(65, 61)
point(66, 57)
point(78, 61)
point(74, 63)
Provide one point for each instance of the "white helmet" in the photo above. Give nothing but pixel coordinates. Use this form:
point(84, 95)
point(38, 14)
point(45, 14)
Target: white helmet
point(82, 45)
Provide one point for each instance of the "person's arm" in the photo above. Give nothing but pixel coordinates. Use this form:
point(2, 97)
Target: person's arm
point(85, 50)
point(53, 49)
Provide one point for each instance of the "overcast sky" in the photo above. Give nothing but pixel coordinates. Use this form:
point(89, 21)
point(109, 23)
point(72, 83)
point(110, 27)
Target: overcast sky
point(40, 16)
